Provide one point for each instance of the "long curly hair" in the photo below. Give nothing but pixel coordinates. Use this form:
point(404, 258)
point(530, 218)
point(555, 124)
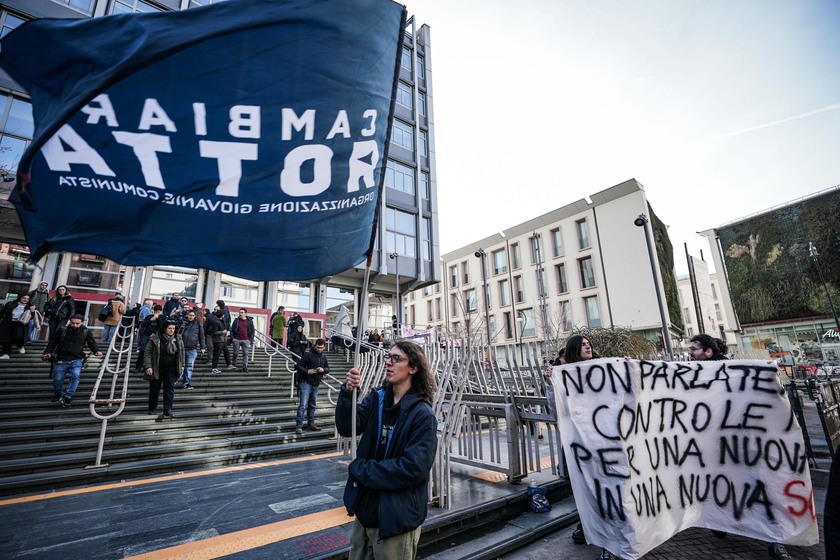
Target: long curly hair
point(423, 380)
point(573, 346)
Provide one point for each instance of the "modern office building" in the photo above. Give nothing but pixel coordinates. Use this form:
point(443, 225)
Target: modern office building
point(585, 264)
point(781, 269)
point(407, 242)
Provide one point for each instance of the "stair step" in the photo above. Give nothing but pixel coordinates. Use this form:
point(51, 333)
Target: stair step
point(229, 418)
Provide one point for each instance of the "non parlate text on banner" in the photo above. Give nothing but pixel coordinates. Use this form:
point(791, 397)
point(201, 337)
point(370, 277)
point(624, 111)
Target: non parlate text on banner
point(654, 448)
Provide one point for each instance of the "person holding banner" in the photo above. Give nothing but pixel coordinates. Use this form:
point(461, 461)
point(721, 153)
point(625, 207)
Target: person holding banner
point(579, 349)
point(705, 347)
point(387, 486)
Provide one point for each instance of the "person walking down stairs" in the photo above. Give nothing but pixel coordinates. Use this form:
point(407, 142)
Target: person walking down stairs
point(66, 352)
point(13, 319)
point(163, 361)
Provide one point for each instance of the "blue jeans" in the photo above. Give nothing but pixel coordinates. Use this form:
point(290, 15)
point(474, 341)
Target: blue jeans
point(62, 370)
point(31, 332)
point(108, 332)
point(190, 354)
point(308, 396)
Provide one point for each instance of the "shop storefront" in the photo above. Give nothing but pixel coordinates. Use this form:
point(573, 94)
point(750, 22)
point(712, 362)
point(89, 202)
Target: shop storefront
point(796, 344)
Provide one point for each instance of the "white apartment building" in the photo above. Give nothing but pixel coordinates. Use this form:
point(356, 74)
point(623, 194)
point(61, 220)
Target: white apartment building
point(584, 264)
point(702, 306)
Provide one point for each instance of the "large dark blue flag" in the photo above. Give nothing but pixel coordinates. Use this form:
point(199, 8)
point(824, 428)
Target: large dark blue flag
point(246, 137)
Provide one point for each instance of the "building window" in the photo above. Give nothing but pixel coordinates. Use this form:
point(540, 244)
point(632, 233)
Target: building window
point(519, 289)
point(9, 21)
point(529, 325)
point(400, 232)
point(517, 258)
point(437, 288)
point(504, 292)
point(565, 316)
point(541, 282)
point(470, 303)
point(593, 314)
point(438, 315)
point(399, 177)
point(427, 291)
point(717, 312)
point(562, 285)
point(133, 6)
point(499, 262)
point(421, 67)
point(453, 305)
point(17, 129)
point(587, 273)
point(583, 234)
point(536, 250)
point(421, 104)
point(405, 96)
point(424, 143)
point(453, 276)
point(492, 324)
point(714, 292)
point(508, 325)
point(429, 310)
point(84, 6)
point(424, 185)
point(197, 3)
point(402, 135)
point(426, 239)
point(557, 242)
point(405, 60)
point(465, 272)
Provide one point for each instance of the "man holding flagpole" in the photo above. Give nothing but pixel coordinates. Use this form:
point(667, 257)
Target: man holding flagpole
point(387, 486)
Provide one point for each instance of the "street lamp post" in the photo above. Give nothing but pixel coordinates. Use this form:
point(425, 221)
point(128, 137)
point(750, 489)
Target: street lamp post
point(812, 250)
point(642, 222)
point(398, 310)
point(482, 257)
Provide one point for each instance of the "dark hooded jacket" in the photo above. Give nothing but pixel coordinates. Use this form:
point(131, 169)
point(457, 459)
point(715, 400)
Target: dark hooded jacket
point(401, 478)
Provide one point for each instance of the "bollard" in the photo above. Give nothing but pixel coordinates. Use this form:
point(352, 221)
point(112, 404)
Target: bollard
point(811, 384)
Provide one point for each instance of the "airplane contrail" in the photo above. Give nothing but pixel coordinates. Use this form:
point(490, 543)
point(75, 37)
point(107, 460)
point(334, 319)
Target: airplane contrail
point(757, 127)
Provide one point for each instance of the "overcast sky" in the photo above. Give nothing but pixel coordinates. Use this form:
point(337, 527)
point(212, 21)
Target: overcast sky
point(720, 108)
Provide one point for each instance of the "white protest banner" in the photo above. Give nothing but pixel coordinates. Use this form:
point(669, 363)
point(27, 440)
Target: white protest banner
point(654, 448)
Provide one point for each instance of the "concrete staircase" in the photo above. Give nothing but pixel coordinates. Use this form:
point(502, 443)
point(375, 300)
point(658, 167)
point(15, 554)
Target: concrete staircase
point(229, 418)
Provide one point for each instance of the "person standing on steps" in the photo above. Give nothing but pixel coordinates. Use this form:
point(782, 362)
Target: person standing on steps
point(59, 309)
point(242, 333)
point(163, 361)
point(192, 335)
point(14, 317)
point(311, 368)
point(68, 349)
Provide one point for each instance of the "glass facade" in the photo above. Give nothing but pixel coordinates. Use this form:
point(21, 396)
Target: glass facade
point(796, 343)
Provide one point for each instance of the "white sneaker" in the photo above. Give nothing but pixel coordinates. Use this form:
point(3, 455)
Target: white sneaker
point(22, 350)
point(4, 357)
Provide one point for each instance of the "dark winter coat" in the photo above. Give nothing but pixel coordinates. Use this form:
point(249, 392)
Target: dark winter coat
point(60, 308)
point(312, 360)
point(151, 356)
point(70, 344)
point(402, 478)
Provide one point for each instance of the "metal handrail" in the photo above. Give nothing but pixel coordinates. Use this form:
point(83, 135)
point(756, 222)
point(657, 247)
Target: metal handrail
point(120, 346)
point(272, 350)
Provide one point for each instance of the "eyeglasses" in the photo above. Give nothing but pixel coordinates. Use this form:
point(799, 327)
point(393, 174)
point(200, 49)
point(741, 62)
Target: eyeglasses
point(694, 348)
point(396, 358)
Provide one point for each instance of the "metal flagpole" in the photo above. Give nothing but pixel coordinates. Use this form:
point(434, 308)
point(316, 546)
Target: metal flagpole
point(361, 323)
